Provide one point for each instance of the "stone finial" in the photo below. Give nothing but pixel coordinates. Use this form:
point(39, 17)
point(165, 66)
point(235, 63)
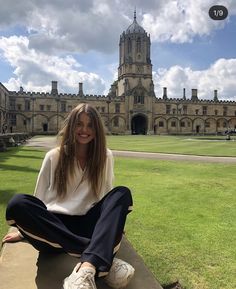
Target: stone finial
point(81, 93)
point(165, 93)
point(194, 94)
point(54, 87)
point(216, 95)
point(184, 94)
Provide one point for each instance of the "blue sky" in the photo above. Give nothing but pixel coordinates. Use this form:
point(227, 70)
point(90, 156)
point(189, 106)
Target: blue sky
point(77, 41)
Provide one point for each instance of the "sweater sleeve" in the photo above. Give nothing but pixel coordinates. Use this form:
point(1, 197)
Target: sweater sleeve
point(109, 171)
point(44, 178)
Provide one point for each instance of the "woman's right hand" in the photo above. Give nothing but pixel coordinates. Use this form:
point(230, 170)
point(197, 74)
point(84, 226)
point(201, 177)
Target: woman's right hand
point(12, 237)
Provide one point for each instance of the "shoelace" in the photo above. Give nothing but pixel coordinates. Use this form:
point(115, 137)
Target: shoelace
point(85, 279)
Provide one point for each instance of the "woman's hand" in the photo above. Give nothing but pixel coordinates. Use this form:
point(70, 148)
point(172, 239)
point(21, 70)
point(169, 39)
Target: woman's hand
point(12, 237)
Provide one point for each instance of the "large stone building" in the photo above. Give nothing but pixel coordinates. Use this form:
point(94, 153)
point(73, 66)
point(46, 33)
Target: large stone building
point(131, 106)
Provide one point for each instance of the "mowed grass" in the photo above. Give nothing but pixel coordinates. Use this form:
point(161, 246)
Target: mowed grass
point(19, 168)
point(184, 218)
point(205, 145)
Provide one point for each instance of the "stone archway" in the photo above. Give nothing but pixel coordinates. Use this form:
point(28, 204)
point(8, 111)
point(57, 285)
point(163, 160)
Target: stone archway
point(139, 124)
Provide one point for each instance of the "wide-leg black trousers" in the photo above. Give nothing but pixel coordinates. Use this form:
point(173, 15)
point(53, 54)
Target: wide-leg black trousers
point(94, 237)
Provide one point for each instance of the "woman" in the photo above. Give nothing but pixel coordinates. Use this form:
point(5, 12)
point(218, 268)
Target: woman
point(75, 208)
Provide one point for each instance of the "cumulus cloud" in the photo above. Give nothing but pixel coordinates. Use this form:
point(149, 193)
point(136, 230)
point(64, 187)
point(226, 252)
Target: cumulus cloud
point(35, 70)
point(220, 76)
point(83, 25)
point(181, 21)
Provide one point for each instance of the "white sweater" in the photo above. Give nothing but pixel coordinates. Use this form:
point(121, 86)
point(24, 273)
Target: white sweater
point(80, 198)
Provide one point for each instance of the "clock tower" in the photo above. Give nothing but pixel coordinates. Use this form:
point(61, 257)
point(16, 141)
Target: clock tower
point(135, 78)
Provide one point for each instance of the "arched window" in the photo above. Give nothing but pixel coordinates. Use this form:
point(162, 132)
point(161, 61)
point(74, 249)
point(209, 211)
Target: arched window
point(129, 45)
point(138, 45)
point(116, 121)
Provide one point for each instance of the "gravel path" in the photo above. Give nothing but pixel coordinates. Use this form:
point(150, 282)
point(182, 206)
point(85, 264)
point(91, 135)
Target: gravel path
point(49, 142)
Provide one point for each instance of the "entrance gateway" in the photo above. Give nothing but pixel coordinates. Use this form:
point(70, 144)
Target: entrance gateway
point(139, 124)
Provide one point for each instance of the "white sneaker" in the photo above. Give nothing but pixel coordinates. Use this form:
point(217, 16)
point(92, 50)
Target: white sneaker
point(120, 274)
point(80, 278)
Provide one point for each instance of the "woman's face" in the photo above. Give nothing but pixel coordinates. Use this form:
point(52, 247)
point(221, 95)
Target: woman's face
point(84, 131)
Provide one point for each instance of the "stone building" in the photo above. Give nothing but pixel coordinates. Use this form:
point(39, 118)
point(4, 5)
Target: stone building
point(131, 106)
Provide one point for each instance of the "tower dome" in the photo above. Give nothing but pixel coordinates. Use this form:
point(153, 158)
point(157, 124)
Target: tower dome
point(135, 27)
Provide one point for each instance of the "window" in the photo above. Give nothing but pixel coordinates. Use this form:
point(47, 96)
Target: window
point(161, 123)
point(167, 109)
point(225, 109)
point(19, 106)
point(204, 110)
point(207, 124)
point(216, 112)
point(116, 121)
point(174, 111)
point(12, 104)
point(139, 99)
point(27, 105)
point(196, 111)
point(41, 107)
point(138, 45)
point(173, 124)
point(182, 124)
point(63, 106)
point(117, 107)
point(48, 107)
point(185, 109)
point(129, 45)
point(12, 119)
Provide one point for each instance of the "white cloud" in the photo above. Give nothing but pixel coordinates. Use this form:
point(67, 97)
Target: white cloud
point(181, 21)
point(34, 70)
point(220, 76)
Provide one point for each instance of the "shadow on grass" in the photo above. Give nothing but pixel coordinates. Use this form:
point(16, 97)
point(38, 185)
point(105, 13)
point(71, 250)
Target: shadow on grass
point(6, 195)
point(28, 157)
point(9, 152)
point(18, 168)
point(175, 285)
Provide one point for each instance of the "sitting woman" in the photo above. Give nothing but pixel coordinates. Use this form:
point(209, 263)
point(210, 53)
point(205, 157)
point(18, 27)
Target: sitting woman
point(75, 208)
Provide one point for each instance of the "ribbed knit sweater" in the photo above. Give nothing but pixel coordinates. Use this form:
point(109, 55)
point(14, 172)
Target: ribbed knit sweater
point(79, 198)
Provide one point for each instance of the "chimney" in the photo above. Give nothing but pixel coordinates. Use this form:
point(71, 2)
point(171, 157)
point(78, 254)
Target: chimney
point(54, 87)
point(194, 94)
point(184, 94)
point(216, 95)
point(81, 93)
point(164, 93)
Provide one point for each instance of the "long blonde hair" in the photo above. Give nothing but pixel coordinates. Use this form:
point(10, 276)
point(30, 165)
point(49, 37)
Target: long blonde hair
point(96, 154)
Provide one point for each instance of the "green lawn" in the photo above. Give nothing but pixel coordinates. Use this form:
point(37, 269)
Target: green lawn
point(184, 220)
point(183, 223)
point(207, 145)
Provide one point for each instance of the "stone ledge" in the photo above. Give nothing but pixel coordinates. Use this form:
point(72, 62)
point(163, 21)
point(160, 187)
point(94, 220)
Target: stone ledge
point(22, 267)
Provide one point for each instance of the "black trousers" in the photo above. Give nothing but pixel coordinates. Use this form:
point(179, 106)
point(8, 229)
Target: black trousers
point(95, 237)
